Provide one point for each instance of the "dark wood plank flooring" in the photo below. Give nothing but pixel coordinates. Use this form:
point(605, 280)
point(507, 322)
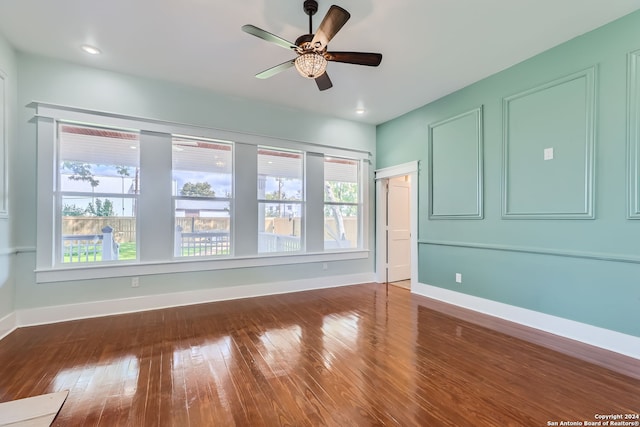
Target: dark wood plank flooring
point(352, 356)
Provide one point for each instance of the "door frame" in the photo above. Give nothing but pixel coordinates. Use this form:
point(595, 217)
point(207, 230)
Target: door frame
point(381, 176)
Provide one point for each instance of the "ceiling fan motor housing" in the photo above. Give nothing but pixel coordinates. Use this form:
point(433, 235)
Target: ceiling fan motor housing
point(310, 7)
point(305, 38)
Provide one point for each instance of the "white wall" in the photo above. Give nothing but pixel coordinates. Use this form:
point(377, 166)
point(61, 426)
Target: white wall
point(52, 81)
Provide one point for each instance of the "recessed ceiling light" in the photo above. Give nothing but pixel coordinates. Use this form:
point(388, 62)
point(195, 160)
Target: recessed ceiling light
point(91, 49)
point(360, 111)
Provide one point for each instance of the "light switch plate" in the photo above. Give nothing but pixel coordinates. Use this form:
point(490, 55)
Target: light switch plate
point(548, 153)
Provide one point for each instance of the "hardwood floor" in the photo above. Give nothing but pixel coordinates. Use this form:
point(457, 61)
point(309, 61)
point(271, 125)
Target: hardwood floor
point(406, 284)
point(351, 356)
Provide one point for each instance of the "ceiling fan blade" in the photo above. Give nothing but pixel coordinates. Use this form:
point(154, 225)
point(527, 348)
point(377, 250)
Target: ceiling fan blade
point(275, 70)
point(323, 81)
point(265, 35)
point(359, 58)
point(335, 18)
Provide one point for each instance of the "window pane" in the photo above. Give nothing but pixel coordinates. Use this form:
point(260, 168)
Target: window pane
point(280, 196)
point(98, 182)
point(201, 168)
point(342, 198)
point(341, 226)
point(279, 175)
point(93, 232)
point(341, 180)
point(202, 228)
point(281, 227)
point(94, 160)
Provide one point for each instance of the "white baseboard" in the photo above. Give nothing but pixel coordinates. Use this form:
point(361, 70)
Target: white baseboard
point(8, 324)
point(62, 313)
point(627, 345)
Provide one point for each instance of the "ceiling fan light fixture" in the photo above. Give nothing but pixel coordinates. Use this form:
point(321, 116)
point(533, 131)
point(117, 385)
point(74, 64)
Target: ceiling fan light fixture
point(311, 65)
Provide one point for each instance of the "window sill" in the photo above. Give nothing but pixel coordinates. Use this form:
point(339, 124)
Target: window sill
point(103, 271)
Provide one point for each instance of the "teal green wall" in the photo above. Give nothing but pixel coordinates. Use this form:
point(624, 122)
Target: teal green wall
point(58, 82)
point(557, 260)
point(8, 65)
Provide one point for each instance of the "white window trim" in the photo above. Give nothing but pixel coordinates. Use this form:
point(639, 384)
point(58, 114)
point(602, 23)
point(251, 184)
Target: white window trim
point(47, 116)
point(128, 269)
point(83, 116)
point(4, 146)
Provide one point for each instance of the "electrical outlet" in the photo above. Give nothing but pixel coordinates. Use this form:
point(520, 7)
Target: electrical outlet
point(135, 282)
point(458, 278)
point(325, 266)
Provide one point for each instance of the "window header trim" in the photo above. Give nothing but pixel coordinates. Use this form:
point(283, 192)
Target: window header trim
point(88, 117)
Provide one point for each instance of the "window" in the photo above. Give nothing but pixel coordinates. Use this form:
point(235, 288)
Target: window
point(202, 189)
point(96, 194)
point(121, 196)
point(280, 200)
point(341, 203)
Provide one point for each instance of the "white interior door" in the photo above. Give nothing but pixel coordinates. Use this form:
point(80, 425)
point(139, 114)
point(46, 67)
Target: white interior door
point(399, 226)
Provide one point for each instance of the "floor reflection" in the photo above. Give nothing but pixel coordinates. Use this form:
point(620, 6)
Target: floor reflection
point(278, 345)
point(339, 336)
point(96, 386)
point(121, 373)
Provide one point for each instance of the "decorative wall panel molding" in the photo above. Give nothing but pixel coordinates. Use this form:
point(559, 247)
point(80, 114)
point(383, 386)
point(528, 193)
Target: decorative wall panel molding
point(598, 256)
point(633, 136)
point(548, 150)
point(456, 167)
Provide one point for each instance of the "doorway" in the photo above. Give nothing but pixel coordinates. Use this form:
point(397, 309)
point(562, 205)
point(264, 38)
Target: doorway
point(396, 225)
point(398, 231)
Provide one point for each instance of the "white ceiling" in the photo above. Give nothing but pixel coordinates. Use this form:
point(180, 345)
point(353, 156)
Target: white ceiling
point(430, 47)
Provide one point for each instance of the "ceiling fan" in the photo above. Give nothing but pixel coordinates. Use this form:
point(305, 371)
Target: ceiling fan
point(312, 48)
